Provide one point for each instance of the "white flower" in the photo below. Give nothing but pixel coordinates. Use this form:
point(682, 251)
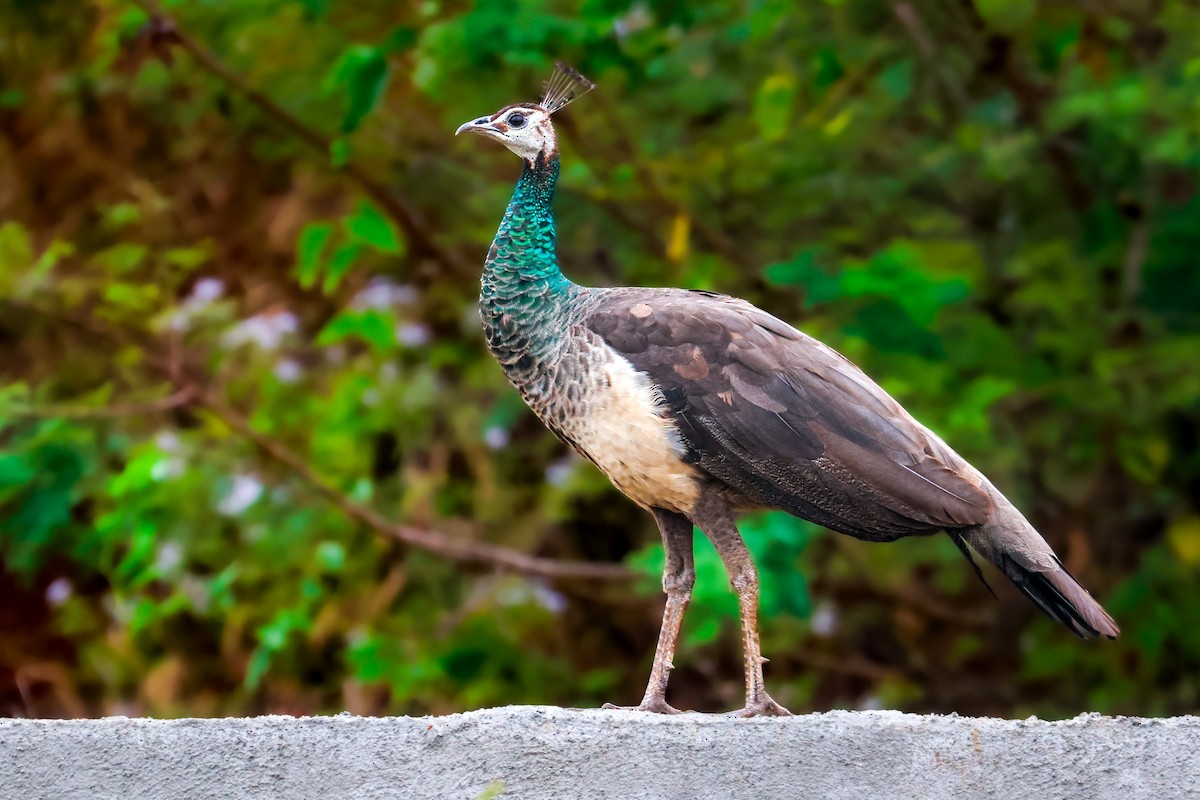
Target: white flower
point(243, 493)
point(825, 620)
point(167, 468)
point(170, 556)
point(383, 293)
point(871, 702)
point(203, 294)
point(549, 599)
point(496, 437)
point(413, 334)
point(288, 370)
point(207, 289)
point(167, 441)
point(560, 471)
point(58, 592)
point(264, 330)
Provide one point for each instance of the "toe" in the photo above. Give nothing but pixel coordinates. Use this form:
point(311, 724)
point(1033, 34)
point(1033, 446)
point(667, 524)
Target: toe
point(655, 706)
point(763, 707)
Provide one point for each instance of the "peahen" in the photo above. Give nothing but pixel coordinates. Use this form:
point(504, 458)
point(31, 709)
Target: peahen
point(697, 406)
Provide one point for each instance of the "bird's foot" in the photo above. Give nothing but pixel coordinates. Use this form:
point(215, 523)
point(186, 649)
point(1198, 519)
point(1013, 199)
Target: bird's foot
point(655, 705)
point(764, 706)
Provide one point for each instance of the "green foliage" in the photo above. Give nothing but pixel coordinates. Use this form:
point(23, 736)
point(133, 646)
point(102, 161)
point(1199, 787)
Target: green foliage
point(362, 74)
point(990, 206)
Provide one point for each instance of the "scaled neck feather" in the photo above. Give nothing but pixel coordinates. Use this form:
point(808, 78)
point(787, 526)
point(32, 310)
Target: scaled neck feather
point(523, 291)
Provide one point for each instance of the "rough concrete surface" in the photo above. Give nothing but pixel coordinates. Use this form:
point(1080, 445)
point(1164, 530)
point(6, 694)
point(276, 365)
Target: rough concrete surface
point(543, 752)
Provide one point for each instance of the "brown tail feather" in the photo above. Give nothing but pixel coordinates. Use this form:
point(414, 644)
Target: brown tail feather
point(1062, 598)
point(1010, 543)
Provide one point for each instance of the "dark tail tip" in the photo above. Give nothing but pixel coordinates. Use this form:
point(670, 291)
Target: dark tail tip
point(1062, 598)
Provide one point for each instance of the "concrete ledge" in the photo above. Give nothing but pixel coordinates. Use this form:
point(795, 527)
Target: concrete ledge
point(545, 752)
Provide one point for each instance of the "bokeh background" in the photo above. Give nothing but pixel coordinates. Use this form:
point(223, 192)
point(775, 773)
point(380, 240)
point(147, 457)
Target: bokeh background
point(255, 458)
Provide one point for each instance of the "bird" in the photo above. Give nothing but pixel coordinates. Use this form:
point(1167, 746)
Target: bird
point(699, 406)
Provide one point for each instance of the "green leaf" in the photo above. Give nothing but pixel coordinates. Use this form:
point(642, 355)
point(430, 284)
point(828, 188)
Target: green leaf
point(401, 39)
point(897, 81)
point(773, 105)
point(803, 271)
point(492, 790)
point(368, 225)
point(310, 245)
point(317, 9)
point(362, 72)
point(344, 256)
point(119, 215)
point(140, 555)
point(331, 556)
point(14, 471)
point(16, 254)
point(131, 296)
point(188, 258)
point(1006, 16)
point(256, 670)
point(371, 326)
point(339, 152)
point(122, 258)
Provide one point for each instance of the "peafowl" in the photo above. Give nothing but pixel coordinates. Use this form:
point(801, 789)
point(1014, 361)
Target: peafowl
point(698, 406)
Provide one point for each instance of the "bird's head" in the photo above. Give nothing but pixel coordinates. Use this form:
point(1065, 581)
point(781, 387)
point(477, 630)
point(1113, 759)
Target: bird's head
point(526, 128)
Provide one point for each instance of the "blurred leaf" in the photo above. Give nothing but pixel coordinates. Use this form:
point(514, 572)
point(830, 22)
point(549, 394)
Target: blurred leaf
point(343, 259)
point(368, 225)
point(122, 258)
point(677, 244)
point(339, 153)
point(14, 471)
point(331, 556)
point(371, 326)
point(1006, 15)
point(492, 790)
point(362, 72)
point(317, 8)
point(16, 254)
point(309, 248)
point(401, 39)
point(1184, 536)
point(773, 105)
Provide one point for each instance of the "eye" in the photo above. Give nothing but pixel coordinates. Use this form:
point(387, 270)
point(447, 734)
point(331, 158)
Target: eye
point(517, 119)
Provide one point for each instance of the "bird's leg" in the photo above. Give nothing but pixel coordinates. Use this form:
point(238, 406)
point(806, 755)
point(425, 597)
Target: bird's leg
point(678, 578)
point(715, 518)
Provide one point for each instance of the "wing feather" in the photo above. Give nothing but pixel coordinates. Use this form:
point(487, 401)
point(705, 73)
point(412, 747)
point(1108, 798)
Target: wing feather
point(787, 422)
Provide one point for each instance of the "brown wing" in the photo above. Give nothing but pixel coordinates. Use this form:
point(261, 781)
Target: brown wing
point(786, 421)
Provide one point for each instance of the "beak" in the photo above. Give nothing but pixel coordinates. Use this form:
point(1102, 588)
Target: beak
point(481, 125)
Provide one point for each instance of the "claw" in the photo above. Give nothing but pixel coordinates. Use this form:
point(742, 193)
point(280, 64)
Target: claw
point(656, 706)
point(763, 707)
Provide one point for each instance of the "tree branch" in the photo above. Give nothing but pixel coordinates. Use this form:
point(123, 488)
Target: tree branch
point(172, 401)
point(466, 552)
point(408, 217)
point(455, 550)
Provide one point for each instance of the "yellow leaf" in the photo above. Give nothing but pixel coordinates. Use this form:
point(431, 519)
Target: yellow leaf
point(838, 124)
point(1184, 537)
point(677, 244)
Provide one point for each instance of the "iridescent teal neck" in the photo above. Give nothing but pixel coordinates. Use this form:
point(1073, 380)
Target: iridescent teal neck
point(523, 251)
point(523, 295)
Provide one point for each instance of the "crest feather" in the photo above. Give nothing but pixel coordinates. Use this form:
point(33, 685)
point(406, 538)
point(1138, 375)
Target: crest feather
point(566, 84)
